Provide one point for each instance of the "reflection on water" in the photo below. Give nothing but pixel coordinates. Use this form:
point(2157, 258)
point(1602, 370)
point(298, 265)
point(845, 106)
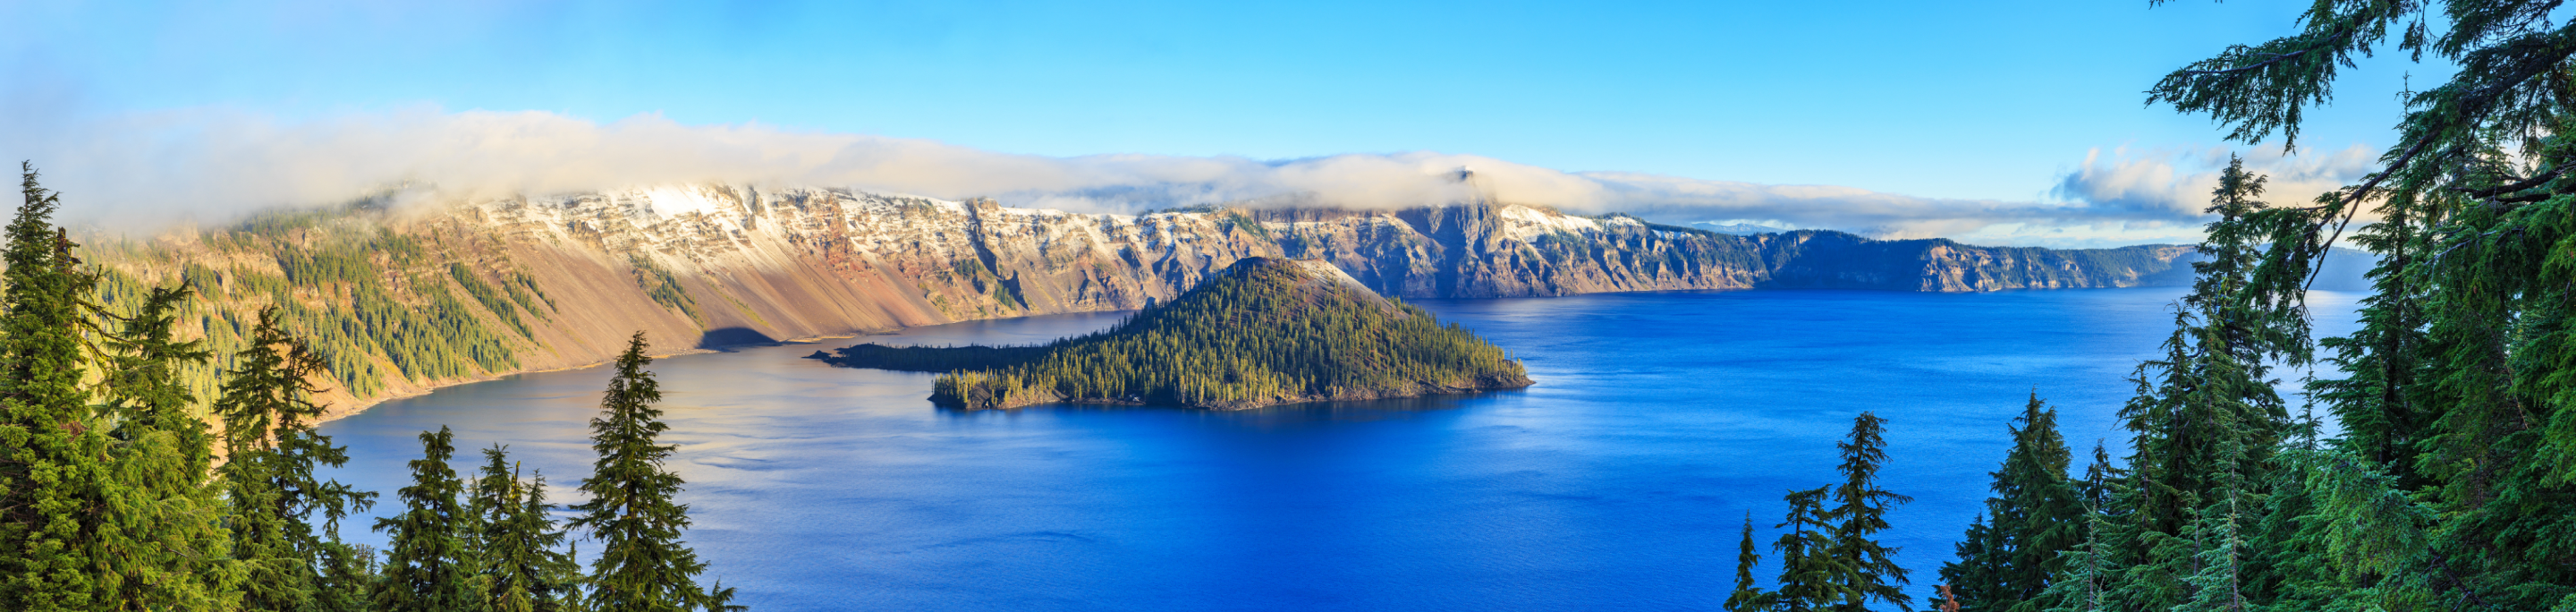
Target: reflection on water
point(1618, 481)
point(1291, 415)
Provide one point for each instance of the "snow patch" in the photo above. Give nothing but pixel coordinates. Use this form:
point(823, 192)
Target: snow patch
point(674, 202)
point(1527, 223)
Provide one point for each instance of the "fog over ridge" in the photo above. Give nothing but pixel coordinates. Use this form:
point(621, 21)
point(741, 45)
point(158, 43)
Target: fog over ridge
point(212, 166)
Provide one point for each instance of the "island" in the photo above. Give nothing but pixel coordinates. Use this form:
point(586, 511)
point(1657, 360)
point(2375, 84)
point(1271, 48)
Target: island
point(1263, 332)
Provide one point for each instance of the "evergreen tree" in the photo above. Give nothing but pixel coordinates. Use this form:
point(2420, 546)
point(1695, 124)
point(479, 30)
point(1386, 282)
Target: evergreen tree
point(1746, 597)
point(52, 469)
point(1975, 579)
point(2205, 417)
point(1810, 574)
point(271, 487)
point(2090, 565)
point(100, 505)
point(348, 577)
point(430, 564)
point(1867, 569)
point(170, 514)
point(643, 566)
point(2457, 392)
point(526, 573)
point(2219, 575)
point(2036, 514)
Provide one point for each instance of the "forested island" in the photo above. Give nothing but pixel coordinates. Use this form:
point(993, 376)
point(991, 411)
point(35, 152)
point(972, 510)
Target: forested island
point(1265, 331)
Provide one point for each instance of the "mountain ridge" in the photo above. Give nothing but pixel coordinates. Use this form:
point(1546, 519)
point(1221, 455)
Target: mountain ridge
point(403, 301)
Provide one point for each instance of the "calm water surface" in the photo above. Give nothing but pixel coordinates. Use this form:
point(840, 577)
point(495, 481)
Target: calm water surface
point(1618, 482)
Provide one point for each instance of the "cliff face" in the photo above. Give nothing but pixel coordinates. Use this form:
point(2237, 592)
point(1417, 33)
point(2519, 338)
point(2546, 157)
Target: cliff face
point(404, 300)
point(1513, 251)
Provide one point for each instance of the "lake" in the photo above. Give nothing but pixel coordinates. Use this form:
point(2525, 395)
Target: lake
point(1618, 482)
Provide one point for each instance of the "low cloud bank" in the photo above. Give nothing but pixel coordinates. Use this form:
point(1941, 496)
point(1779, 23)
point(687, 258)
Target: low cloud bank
point(211, 166)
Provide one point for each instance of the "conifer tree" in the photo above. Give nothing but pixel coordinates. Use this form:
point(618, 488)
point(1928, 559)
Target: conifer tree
point(271, 488)
point(431, 564)
point(348, 577)
point(100, 505)
point(2036, 514)
point(643, 566)
point(170, 515)
point(2458, 387)
point(1746, 597)
point(526, 573)
point(52, 473)
point(2085, 584)
point(1867, 569)
point(1975, 579)
point(2205, 418)
point(1810, 574)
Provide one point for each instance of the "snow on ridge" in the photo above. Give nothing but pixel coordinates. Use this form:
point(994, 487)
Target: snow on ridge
point(1528, 223)
point(676, 201)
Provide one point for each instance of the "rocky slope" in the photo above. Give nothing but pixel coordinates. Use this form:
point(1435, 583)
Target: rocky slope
point(407, 298)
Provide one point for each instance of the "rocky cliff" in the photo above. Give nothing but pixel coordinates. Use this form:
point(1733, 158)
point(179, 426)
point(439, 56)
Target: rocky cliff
point(405, 298)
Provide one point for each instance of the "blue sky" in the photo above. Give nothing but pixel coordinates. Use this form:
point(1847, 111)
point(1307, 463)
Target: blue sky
point(1986, 101)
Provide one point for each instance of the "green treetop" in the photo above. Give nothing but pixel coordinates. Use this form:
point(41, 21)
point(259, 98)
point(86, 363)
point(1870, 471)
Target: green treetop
point(270, 479)
point(1810, 574)
point(1746, 597)
point(643, 566)
point(2036, 513)
point(174, 551)
point(1867, 569)
point(51, 441)
point(431, 564)
point(519, 538)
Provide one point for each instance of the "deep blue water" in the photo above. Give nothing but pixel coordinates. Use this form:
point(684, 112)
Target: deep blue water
point(1619, 482)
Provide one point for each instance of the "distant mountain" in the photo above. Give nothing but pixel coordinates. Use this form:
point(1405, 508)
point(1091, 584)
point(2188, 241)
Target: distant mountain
point(402, 301)
point(1264, 331)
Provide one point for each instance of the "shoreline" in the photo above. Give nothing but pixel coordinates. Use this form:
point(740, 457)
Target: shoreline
point(329, 415)
point(333, 414)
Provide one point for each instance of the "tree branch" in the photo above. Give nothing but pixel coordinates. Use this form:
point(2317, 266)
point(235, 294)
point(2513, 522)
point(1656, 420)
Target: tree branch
point(2275, 58)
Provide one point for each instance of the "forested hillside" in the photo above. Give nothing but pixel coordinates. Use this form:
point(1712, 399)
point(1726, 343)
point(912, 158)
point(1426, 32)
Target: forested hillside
point(122, 488)
point(1264, 331)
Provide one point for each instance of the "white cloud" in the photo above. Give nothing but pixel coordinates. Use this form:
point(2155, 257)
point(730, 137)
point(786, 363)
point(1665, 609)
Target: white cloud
point(2179, 183)
point(213, 165)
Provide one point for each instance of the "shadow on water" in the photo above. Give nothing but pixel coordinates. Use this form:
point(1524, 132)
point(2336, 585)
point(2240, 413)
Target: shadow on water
point(733, 336)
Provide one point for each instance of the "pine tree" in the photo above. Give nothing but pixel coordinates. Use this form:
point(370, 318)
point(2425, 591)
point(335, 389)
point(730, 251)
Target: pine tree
point(176, 551)
point(2036, 514)
point(52, 472)
point(1975, 579)
point(1867, 569)
point(2205, 417)
point(643, 566)
point(1747, 597)
point(1809, 571)
point(431, 564)
point(2219, 549)
point(271, 488)
point(348, 577)
point(2090, 565)
point(519, 538)
point(2458, 387)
